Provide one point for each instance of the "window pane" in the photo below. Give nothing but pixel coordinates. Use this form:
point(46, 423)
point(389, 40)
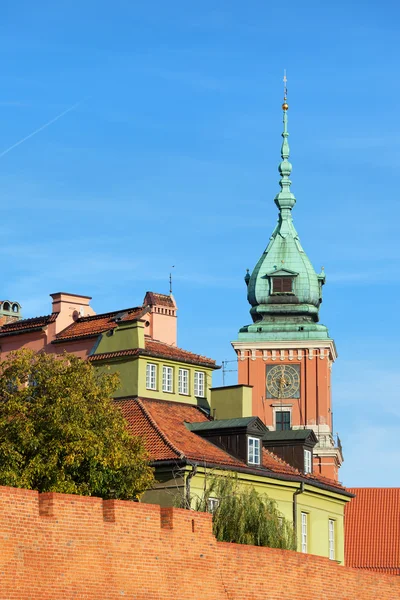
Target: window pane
point(199, 384)
point(331, 539)
point(183, 381)
point(254, 451)
point(304, 532)
point(282, 420)
point(276, 284)
point(286, 284)
point(307, 461)
point(151, 378)
point(167, 379)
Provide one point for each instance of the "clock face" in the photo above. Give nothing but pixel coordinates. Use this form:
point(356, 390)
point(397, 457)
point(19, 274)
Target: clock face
point(283, 381)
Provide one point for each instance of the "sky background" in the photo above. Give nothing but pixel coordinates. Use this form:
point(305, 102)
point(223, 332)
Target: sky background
point(171, 158)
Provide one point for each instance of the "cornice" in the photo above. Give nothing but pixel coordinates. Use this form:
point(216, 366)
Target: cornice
point(287, 345)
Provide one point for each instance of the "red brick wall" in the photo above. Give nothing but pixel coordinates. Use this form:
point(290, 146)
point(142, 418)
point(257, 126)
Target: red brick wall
point(60, 546)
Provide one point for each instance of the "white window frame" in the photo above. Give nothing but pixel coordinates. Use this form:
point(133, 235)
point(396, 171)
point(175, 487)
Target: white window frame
point(151, 376)
point(307, 461)
point(183, 382)
point(331, 537)
point(199, 384)
point(253, 450)
point(168, 379)
point(304, 532)
point(281, 408)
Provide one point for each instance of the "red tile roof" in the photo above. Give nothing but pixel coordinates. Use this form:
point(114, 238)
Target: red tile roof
point(156, 348)
point(27, 325)
point(372, 530)
point(92, 326)
point(162, 424)
point(160, 350)
point(151, 298)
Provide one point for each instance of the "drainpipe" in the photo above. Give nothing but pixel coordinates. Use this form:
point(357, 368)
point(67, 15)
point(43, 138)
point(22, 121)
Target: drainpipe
point(299, 491)
point(187, 485)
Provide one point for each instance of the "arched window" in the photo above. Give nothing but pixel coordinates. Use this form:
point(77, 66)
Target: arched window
point(15, 308)
point(6, 306)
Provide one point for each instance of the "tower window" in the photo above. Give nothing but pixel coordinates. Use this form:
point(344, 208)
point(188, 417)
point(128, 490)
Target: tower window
point(282, 420)
point(6, 306)
point(282, 285)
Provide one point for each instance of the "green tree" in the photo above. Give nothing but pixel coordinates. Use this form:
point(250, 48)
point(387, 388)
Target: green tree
point(60, 430)
point(244, 516)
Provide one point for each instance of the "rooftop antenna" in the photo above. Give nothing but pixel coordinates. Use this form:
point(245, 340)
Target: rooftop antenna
point(170, 280)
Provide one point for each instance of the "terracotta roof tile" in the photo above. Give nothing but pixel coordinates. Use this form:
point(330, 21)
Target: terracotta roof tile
point(162, 424)
point(26, 325)
point(152, 298)
point(372, 530)
point(156, 348)
point(161, 350)
point(96, 324)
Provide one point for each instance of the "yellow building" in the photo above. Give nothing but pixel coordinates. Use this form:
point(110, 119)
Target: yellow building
point(186, 447)
point(192, 429)
point(151, 368)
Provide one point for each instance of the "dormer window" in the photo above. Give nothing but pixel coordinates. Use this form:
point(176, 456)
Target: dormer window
point(307, 461)
point(282, 281)
point(253, 451)
point(282, 285)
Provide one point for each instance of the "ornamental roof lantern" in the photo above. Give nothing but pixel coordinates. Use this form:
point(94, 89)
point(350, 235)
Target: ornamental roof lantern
point(284, 290)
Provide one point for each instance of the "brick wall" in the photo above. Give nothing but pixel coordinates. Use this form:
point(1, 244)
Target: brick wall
point(62, 546)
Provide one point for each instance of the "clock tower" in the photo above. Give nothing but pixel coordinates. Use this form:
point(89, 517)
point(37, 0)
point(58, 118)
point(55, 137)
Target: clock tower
point(286, 355)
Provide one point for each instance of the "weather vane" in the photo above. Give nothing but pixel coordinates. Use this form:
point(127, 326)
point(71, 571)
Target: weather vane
point(285, 105)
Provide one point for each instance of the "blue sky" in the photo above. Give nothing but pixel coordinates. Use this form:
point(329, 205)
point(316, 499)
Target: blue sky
point(171, 158)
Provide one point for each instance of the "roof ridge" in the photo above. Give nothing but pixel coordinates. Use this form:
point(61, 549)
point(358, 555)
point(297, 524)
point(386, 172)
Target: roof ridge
point(30, 319)
point(107, 314)
point(178, 348)
point(157, 428)
point(162, 401)
point(40, 321)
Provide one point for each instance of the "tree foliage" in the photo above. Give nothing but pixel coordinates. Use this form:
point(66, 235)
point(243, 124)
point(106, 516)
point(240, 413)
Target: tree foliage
point(245, 516)
point(60, 430)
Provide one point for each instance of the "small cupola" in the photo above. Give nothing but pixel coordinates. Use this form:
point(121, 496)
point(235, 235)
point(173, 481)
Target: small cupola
point(9, 311)
point(294, 446)
point(241, 437)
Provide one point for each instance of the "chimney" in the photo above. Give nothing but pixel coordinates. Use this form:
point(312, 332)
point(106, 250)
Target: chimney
point(162, 317)
point(70, 308)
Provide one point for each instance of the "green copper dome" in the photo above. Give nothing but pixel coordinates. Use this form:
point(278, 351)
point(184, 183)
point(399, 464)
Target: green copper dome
point(283, 290)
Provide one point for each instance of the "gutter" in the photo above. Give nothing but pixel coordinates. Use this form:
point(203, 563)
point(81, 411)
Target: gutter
point(187, 486)
point(260, 472)
point(299, 491)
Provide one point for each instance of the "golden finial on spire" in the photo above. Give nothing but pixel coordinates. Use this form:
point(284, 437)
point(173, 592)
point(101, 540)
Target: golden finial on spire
point(285, 105)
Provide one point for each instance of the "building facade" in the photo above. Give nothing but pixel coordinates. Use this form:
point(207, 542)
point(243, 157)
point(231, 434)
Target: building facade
point(286, 355)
